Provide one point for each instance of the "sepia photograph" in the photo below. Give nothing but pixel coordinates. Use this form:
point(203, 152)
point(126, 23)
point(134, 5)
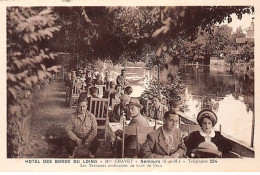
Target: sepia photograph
point(130, 83)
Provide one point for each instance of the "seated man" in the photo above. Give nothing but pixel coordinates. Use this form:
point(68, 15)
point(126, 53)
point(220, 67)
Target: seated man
point(175, 105)
point(157, 110)
point(107, 79)
point(89, 81)
point(121, 79)
point(118, 92)
point(98, 80)
point(122, 108)
point(93, 91)
point(128, 91)
point(85, 94)
point(111, 90)
point(81, 128)
point(166, 141)
point(137, 120)
point(112, 87)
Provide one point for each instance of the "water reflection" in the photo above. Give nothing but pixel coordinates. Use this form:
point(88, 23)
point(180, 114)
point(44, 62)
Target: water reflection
point(231, 97)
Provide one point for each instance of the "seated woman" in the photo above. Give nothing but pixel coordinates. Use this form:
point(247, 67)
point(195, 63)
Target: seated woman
point(206, 142)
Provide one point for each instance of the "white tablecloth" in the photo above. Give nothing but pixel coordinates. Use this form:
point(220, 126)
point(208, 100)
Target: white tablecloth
point(113, 127)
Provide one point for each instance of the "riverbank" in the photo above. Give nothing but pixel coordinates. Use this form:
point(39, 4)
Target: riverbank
point(239, 68)
point(244, 68)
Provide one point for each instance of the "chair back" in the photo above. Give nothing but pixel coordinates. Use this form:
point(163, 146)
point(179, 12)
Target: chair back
point(139, 132)
point(128, 130)
point(99, 108)
point(74, 95)
point(77, 87)
point(75, 91)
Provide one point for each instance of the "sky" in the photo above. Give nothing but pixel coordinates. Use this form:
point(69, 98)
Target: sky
point(244, 22)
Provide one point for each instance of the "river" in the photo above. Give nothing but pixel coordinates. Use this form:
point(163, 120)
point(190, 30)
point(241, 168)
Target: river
point(231, 96)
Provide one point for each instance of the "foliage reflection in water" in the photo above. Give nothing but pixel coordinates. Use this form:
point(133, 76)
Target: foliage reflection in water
point(231, 96)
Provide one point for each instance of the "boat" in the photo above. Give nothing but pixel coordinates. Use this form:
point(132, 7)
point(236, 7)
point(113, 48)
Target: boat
point(240, 148)
point(135, 79)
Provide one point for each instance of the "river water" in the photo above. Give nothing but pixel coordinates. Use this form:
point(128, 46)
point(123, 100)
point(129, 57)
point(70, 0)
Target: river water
point(231, 96)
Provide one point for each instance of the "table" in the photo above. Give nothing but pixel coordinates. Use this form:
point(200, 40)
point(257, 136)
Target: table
point(113, 127)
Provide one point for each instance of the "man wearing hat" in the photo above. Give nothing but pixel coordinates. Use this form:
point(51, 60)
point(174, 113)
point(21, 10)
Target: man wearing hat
point(137, 120)
point(166, 141)
point(121, 79)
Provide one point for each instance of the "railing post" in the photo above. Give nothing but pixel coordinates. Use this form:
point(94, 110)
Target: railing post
point(123, 142)
point(253, 131)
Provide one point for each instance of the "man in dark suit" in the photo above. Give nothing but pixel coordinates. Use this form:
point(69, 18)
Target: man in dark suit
point(137, 120)
point(166, 141)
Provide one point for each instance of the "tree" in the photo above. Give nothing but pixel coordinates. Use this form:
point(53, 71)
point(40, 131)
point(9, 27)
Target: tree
point(89, 33)
point(124, 32)
point(28, 65)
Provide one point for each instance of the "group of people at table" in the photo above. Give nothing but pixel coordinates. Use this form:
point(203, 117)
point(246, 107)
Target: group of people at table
point(167, 141)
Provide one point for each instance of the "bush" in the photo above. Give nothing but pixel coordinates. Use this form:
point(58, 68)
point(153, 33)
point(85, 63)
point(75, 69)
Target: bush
point(27, 28)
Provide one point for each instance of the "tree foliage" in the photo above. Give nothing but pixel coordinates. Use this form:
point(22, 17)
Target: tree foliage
point(156, 35)
point(28, 65)
point(124, 32)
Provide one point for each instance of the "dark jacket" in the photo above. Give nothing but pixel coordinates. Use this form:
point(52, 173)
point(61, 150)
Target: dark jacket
point(119, 109)
point(195, 138)
point(140, 121)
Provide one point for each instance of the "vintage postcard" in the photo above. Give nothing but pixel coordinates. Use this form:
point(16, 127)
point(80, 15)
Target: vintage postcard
point(129, 86)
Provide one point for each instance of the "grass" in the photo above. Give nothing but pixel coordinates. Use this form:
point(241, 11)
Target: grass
point(49, 121)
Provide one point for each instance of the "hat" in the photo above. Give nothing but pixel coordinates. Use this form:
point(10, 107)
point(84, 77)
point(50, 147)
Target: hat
point(125, 97)
point(207, 149)
point(209, 114)
point(123, 70)
point(134, 102)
